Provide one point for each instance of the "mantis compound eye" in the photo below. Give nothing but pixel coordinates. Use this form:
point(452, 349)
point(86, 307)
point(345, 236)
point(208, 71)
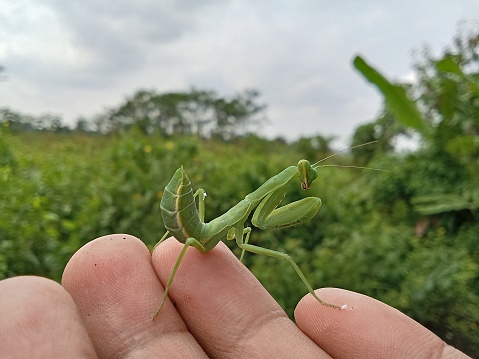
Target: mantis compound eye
point(307, 174)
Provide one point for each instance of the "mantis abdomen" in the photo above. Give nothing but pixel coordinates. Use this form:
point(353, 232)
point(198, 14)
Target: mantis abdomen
point(181, 217)
point(178, 208)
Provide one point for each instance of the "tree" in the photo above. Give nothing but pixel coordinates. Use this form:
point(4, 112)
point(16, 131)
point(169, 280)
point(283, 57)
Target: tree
point(448, 90)
point(195, 112)
point(315, 147)
point(21, 122)
point(385, 129)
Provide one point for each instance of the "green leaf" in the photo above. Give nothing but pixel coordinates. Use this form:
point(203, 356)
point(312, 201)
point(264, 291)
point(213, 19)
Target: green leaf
point(404, 109)
point(463, 145)
point(441, 203)
point(447, 64)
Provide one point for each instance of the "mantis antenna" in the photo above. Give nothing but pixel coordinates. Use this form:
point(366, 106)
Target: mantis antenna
point(316, 165)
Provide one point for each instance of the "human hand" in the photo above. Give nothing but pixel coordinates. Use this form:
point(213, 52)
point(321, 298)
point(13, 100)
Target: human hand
point(113, 287)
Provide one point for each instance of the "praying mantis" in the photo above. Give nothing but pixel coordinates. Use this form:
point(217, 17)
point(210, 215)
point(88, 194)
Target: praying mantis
point(186, 223)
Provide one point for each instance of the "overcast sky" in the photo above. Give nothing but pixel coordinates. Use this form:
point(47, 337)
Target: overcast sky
point(76, 58)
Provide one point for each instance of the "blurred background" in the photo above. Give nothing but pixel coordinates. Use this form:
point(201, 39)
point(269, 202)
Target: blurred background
point(101, 102)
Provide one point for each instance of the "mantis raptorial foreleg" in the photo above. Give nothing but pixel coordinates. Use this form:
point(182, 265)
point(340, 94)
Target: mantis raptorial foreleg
point(267, 216)
point(186, 222)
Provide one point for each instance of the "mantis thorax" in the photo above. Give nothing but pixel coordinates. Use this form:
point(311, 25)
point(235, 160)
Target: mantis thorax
point(307, 173)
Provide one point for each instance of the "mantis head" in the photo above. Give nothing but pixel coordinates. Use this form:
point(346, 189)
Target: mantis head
point(306, 173)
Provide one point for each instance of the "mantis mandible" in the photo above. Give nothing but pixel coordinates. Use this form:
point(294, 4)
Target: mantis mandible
point(186, 222)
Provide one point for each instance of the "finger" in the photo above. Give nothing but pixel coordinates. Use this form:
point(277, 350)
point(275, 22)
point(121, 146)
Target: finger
point(370, 329)
point(39, 320)
point(225, 307)
point(116, 290)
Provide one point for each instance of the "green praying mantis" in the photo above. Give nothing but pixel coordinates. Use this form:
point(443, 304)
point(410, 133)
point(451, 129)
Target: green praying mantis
point(186, 223)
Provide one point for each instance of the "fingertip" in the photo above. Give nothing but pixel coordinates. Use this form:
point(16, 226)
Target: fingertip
point(105, 271)
point(369, 328)
point(116, 289)
point(343, 299)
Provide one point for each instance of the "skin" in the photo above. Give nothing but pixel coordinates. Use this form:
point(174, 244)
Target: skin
point(112, 286)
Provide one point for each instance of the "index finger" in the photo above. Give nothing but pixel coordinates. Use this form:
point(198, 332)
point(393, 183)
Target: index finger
point(226, 308)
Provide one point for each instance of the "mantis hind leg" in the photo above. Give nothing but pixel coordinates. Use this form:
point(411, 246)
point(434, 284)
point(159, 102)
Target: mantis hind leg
point(271, 253)
point(189, 242)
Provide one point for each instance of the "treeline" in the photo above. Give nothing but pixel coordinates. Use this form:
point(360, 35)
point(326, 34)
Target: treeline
point(196, 112)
